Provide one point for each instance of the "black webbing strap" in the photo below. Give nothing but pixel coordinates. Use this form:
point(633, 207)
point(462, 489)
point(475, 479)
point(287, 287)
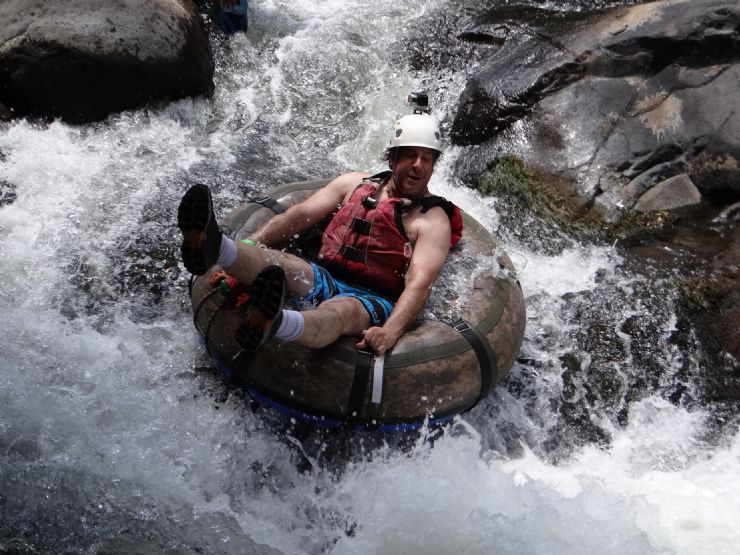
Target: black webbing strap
point(360, 380)
point(270, 203)
point(360, 226)
point(484, 353)
point(351, 253)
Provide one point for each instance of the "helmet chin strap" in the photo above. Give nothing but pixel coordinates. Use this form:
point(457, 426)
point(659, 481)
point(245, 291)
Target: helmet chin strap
point(393, 162)
point(396, 157)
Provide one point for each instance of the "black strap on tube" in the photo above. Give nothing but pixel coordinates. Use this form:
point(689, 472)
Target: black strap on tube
point(359, 384)
point(270, 203)
point(486, 357)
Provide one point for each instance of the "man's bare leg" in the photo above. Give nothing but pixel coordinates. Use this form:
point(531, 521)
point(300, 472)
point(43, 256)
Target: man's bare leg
point(313, 328)
point(204, 245)
point(251, 260)
point(332, 319)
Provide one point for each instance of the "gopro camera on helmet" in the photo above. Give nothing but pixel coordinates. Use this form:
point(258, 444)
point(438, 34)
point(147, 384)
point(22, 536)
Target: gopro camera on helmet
point(418, 129)
point(419, 102)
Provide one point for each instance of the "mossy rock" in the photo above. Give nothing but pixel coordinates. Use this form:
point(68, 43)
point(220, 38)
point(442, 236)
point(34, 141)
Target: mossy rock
point(529, 193)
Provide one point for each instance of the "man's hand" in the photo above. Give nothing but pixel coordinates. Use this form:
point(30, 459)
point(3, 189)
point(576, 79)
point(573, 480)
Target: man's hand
point(378, 339)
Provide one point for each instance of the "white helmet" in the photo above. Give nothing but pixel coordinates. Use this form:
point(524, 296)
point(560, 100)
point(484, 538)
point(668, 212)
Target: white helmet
point(416, 130)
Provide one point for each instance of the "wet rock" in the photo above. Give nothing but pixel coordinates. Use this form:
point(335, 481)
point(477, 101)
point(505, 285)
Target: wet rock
point(639, 186)
point(613, 102)
point(675, 192)
point(7, 191)
point(5, 113)
point(710, 305)
point(730, 214)
point(518, 74)
point(80, 60)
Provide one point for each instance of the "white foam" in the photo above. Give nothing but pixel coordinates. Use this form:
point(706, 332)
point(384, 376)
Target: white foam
point(571, 271)
point(682, 498)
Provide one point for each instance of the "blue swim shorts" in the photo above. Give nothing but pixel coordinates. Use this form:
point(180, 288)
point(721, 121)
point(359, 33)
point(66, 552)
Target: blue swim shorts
point(328, 287)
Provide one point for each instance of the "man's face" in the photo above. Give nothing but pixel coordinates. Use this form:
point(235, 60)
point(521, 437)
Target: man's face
point(412, 170)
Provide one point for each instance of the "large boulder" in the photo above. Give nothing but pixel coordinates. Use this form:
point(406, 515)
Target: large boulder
point(80, 60)
point(674, 192)
point(613, 102)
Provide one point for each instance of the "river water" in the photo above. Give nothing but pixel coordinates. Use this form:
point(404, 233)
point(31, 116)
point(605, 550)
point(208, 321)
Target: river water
point(118, 436)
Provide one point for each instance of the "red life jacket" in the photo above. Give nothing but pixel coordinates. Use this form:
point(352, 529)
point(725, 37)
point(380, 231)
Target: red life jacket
point(366, 244)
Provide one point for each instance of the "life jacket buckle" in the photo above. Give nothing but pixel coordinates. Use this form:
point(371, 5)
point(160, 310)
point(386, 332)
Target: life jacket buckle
point(369, 202)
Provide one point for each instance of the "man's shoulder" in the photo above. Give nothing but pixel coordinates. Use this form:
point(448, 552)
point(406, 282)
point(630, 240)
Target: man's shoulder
point(433, 206)
point(348, 181)
point(354, 177)
point(432, 222)
point(436, 214)
point(442, 217)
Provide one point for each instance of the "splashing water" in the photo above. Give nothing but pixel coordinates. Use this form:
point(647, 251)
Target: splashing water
point(117, 436)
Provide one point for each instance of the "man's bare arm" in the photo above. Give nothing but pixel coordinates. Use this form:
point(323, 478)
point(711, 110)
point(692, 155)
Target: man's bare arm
point(311, 211)
point(430, 252)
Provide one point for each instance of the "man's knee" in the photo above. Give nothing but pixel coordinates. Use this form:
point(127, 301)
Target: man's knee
point(332, 319)
point(349, 311)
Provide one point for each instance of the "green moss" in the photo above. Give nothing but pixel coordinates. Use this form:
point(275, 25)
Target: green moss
point(537, 194)
point(508, 176)
point(642, 221)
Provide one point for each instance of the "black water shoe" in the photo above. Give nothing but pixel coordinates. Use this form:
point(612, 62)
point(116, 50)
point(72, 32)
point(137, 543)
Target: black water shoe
point(201, 237)
point(264, 309)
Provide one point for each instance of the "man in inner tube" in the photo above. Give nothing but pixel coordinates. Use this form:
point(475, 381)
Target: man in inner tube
point(382, 249)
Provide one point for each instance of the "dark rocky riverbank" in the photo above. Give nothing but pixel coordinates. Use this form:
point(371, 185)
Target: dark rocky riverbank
point(626, 126)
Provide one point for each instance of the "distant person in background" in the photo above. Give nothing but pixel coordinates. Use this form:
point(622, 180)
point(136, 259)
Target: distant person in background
point(231, 15)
